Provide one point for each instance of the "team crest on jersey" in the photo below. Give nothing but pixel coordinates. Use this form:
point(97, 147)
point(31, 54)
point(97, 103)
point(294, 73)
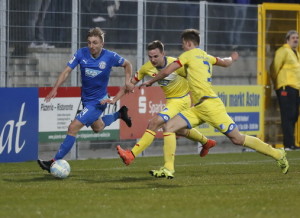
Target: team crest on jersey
point(102, 65)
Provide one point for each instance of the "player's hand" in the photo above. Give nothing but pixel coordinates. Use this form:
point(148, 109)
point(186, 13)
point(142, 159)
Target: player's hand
point(147, 84)
point(107, 101)
point(129, 87)
point(52, 94)
point(234, 55)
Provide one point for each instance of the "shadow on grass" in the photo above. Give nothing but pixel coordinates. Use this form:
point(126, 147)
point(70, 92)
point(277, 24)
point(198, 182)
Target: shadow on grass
point(123, 180)
point(45, 178)
point(148, 186)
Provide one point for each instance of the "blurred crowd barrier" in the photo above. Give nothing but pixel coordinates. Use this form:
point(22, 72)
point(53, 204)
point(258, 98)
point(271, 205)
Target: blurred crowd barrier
point(39, 37)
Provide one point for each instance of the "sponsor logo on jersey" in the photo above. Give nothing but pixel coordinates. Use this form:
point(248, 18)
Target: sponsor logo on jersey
point(92, 73)
point(102, 65)
point(163, 82)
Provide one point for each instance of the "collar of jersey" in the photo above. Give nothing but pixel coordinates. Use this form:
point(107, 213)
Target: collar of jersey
point(102, 52)
point(166, 62)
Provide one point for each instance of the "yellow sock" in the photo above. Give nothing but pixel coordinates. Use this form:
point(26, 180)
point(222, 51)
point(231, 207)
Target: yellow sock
point(197, 136)
point(169, 150)
point(144, 142)
point(260, 146)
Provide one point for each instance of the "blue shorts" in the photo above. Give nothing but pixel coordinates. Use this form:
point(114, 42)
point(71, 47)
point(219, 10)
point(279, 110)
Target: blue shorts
point(90, 113)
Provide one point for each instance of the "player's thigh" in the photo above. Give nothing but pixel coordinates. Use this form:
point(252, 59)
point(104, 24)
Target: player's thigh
point(214, 113)
point(174, 106)
point(74, 127)
point(175, 124)
point(192, 117)
point(90, 114)
point(98, 125)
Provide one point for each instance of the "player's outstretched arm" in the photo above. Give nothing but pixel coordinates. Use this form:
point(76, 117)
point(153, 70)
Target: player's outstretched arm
point(162, 74)
point(227, 61)
point(61, 79)
point(115, 98)
point(119, 95)
point(128, 73)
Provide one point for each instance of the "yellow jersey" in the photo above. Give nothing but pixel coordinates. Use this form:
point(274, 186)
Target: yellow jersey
point(198, 66)
point(285, 68)
point(173, 86)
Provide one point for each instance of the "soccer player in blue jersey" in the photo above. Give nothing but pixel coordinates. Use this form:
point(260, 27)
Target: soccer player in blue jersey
point(208, 107)
point(95, 65)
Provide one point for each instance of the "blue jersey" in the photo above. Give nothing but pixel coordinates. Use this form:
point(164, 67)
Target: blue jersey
point(95, 73)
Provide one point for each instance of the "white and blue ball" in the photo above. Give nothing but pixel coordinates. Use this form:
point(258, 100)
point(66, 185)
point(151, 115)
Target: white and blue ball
point(60, 169)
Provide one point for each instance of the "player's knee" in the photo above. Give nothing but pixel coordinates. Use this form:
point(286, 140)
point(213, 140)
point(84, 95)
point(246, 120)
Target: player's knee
point(181, 132)
point(169, 127)
point(237, 140)
point(97, 129)
point(72, 130)
point(152, 126)
point(155, 124)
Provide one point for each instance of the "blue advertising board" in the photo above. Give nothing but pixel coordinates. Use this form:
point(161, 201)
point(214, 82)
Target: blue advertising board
point(18, 124)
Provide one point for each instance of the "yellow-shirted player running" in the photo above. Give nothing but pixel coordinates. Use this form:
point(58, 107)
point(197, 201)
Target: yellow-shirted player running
point(208, 107)
point(176, 90)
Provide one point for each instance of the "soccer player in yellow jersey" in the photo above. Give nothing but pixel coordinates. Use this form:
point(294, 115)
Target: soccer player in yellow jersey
point(208, 107)
point(176, 90)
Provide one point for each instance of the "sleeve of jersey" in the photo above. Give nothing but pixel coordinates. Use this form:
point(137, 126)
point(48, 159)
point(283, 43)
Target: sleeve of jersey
point(139, 74)
point(118, 60)
point(182, 59)
point(136, 76)
point(75, 60)
point(181, 72)
point(213, 60)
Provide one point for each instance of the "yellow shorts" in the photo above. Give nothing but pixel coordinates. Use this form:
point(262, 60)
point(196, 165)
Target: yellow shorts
point(174, 106)
point(211, 111)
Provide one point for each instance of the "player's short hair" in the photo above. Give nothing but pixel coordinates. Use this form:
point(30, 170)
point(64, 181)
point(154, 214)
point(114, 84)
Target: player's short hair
point(156, 44)
point(191, 35)
point(96, 32)
point(289, 33)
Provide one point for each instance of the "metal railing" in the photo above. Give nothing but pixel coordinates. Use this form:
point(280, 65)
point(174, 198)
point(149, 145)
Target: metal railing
point(38, 39)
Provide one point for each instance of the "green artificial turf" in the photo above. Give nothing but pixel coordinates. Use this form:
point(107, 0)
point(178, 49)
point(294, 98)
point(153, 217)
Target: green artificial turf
point(219, 185)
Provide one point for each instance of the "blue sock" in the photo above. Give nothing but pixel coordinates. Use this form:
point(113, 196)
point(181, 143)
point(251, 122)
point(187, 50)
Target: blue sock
point(110, 118)
point(65, 147)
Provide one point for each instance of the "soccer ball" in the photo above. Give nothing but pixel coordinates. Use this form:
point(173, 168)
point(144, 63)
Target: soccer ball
point(60, 169)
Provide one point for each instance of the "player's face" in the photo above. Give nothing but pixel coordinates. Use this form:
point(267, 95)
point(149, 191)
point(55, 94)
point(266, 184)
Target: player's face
point(156, 57)
point(293, 41)
point(95, 45)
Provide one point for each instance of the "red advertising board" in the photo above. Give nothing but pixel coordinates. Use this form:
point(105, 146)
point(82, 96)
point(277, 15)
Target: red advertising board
point(143, 104)
point(72, 91)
